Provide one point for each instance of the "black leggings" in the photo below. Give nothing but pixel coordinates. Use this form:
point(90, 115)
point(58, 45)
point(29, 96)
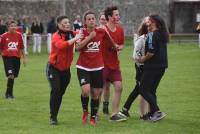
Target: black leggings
point(133, 95)
point(58, 81)
point(149, 83)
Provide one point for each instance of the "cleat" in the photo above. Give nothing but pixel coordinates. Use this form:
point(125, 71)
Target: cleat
point(92, 121)
point(53, 121)
point(84, 117)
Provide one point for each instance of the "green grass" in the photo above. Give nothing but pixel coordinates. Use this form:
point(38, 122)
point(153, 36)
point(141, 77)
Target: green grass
point(178, 96)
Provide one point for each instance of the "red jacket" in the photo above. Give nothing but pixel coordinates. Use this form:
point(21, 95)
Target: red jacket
point(61, 55)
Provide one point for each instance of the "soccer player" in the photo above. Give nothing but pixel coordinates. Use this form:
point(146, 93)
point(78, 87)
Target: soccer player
point(11, 49)
point(139, 49)
point(112, 72)
point(90, 65)
point(102, 20)
point(58, 67)
point(155, 63)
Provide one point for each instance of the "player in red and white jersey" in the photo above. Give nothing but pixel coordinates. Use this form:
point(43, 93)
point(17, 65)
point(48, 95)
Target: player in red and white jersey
point(90, 65)
point(112, 72)
point(11, 49)
point(58, 67)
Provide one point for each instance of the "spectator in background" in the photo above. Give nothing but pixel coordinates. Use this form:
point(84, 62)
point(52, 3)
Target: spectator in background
point(9, 19)
point(26, 29)
point(2, 26)
point(77, 23)
point(37, 29)
point(19, 27)
point(198, 31)
point(51, 28)
point(102, 20)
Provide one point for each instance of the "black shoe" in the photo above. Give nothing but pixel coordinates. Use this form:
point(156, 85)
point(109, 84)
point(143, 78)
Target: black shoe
point(53, 121)
point(126, 113)
point(118, 117)
point(146, 116)
point(156, 116)
point(8, 96)
point(105, 107)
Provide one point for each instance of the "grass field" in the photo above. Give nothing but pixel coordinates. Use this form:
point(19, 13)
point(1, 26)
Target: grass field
point(178, 96)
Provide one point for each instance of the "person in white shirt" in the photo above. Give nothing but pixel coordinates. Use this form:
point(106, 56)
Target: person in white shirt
point(139, 50)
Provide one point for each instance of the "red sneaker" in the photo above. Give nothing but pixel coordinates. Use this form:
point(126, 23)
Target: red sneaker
point(85, 117)
point(92, 122)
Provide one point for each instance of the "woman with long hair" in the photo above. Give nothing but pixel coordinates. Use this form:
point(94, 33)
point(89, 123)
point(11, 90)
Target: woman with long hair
point(155, 63)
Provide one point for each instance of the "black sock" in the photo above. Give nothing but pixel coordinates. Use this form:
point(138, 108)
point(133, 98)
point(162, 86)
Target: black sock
point(84, 101)
point(10, 84)
point(94, 107)
point(105, 104)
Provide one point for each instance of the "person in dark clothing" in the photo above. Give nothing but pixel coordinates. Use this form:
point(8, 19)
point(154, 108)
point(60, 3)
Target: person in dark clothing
point(3, 28)
point(51, 28)
point(59, 62)
point(37, 29)
point(155, 63)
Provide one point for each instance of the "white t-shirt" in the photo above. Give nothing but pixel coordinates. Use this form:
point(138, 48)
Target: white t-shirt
point(139, 48)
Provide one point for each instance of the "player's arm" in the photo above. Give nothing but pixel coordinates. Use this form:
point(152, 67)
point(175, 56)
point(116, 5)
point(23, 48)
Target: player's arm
point(146, 57)
point(151, 48)
point(60, 43)
point(21, 50)
point(1, 43)
point(111, 41)
point(24, 60)
point(85, 41)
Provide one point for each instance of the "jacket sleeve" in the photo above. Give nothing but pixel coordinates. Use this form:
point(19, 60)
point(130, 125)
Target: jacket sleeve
point(59, 43)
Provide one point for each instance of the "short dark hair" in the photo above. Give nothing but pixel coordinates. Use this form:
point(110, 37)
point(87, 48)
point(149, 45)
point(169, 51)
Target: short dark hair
point(59, 19)
point(86, 13)
point(109, 11)
point(11, 22)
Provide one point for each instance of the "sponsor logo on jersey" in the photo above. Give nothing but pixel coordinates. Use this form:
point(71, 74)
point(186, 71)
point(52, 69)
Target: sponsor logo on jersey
point(83, 81)
point(9, 71)
point(50, 76)
point(12, 45)
point(93, 47)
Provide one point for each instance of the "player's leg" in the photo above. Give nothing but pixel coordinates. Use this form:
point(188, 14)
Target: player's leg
point(106, 96)
point(34, 42)
point(84, 82)
point(9, 70)
point(39, 43)
point(97, 86)
point(117, 83)
point(53, 77)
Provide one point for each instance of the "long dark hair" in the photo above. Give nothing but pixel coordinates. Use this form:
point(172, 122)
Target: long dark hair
point(143, 29)
point(160, 24)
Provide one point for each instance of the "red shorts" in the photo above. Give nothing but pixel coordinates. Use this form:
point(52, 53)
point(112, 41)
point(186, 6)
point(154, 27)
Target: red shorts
point(110, 75)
